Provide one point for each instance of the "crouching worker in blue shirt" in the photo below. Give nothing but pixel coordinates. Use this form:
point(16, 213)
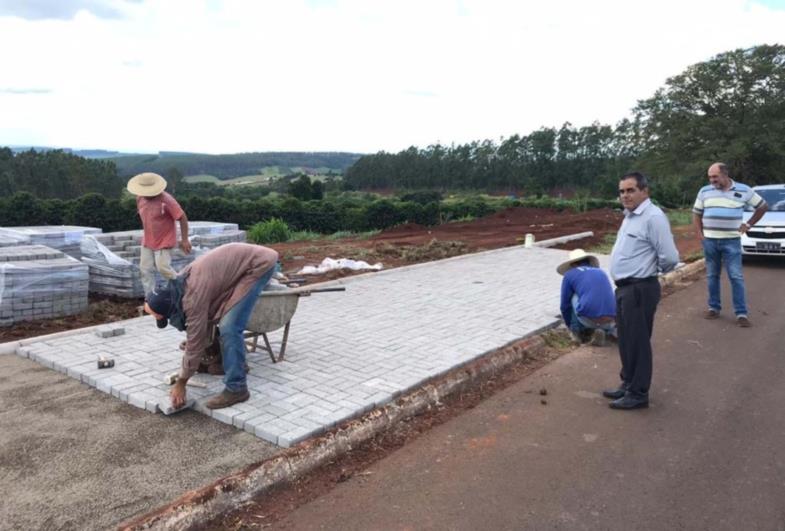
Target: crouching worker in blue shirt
point(588, 306)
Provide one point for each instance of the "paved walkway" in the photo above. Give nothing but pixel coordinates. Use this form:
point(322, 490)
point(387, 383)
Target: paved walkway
point(348, 352)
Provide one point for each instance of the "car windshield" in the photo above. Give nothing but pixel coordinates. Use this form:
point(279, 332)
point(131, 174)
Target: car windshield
point(775, 199)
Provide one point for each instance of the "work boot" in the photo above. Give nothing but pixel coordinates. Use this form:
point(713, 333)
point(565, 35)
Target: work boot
point(575, 339)
point(227, 398)
point(598, 338)
point(711, 313)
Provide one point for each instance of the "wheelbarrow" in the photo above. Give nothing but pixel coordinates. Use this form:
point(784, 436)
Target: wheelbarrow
point(274, 309)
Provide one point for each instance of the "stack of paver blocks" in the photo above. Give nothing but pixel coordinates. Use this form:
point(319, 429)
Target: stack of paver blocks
point(37, 282)
point(11, 238)
point(124, 280)
point(65, 238)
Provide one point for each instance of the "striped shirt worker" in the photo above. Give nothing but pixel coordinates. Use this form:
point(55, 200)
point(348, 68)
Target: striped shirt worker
point(721, 210)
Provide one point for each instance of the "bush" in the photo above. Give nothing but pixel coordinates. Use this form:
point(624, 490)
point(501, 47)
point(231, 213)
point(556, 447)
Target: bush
point(422, 197)
point(382, 214)
point(274, 230)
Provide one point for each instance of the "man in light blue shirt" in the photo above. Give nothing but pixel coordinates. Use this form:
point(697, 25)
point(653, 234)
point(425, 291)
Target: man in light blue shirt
point(644, 249)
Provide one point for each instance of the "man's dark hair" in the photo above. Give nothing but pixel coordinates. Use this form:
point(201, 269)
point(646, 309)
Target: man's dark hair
point(723, 168)
point(641, 181)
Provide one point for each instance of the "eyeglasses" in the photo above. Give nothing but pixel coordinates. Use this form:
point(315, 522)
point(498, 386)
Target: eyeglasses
point(628, 191)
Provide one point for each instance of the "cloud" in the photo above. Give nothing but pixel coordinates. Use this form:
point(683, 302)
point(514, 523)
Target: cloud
point(13, 90)
point(62, 9)
point(256, 75)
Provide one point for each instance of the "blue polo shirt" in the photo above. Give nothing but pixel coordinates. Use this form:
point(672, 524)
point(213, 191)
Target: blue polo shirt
point(595, 294)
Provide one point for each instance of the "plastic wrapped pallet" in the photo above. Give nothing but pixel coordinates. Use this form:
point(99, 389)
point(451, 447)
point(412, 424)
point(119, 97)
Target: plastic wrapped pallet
point(38, 282)
point(110, 274)
point(12, 238)
point(65, 238)
point(119, 275)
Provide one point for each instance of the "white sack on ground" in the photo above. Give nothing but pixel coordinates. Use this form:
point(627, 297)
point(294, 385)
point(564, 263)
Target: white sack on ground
point(328, 264)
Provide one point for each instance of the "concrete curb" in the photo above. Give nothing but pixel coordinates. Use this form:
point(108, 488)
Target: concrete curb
point(675, 277)
point(197, 506)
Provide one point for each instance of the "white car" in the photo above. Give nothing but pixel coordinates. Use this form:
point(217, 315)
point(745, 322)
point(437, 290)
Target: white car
point(767, 237)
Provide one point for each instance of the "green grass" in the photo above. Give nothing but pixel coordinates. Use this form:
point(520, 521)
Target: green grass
point(467, 217)
point(273, 230)
point(558, 339)
point(349, 234)
point(682, 216)
point(304, 235)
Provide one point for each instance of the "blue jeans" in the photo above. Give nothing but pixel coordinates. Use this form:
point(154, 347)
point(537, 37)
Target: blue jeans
point(717, 250)
point(232, 326)
point(580, 324)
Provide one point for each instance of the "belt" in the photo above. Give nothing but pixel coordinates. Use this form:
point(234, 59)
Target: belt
point(632, 280)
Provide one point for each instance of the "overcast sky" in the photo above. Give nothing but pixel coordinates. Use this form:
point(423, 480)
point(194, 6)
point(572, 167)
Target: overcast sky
point(344, 75)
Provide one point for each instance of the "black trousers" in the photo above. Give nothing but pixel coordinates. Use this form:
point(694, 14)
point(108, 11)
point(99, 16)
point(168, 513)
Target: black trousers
point(636, 304)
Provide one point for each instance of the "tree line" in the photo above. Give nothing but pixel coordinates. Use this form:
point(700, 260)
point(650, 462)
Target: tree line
point(56, 174)
point(730, 108)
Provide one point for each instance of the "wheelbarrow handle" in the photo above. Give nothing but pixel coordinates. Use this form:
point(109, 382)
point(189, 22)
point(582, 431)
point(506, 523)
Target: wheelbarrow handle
point(305, 292)
point(300, 292)
point(320, 290)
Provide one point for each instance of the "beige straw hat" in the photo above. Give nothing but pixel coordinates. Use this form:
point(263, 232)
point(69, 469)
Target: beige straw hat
point(147, 184)
point(576, 256)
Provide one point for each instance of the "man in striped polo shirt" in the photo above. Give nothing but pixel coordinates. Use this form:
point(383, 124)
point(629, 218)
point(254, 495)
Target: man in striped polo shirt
point(717, 218)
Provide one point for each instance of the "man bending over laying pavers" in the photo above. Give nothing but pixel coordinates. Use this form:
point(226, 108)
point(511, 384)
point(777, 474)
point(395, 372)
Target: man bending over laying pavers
point(220, 287)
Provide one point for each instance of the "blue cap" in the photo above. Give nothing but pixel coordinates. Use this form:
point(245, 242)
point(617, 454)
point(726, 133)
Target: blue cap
point(160, 301)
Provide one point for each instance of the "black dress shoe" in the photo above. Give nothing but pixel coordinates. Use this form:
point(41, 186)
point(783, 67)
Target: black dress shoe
point(629, 401)
point(614, 393)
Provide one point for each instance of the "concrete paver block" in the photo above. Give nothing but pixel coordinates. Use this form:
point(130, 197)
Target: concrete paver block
point(164, 405)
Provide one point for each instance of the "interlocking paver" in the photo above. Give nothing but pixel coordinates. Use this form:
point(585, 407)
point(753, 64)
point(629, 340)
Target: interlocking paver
point(348, 352)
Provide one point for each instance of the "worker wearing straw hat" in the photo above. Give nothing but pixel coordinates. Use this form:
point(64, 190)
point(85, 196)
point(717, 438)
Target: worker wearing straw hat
point(158, 211)
point(587, 302)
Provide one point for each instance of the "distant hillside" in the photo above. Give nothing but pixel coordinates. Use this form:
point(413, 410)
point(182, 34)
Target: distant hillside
point(86, 153)
point(226, 167)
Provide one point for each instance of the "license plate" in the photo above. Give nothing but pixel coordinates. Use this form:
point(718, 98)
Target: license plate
point(767, 246)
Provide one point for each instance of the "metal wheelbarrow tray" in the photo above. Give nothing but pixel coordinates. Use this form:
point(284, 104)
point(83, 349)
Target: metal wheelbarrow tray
point(274, 309)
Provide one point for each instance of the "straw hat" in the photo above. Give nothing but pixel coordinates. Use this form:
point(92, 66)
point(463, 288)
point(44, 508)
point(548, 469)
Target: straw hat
point(147, 184)
point(576, 256)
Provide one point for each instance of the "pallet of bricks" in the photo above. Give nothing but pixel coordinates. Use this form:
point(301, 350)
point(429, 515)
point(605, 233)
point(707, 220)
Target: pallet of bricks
point(114, 257)
point(65, 238)
point(38, 282)
point(11, 238)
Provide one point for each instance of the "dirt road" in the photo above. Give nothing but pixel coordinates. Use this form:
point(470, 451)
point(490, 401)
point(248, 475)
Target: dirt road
point(706, 455)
